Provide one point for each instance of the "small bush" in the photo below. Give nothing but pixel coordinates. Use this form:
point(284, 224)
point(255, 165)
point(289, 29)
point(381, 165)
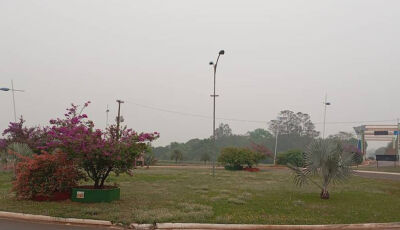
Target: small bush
point(294, 157)
point(44, 174)
point(235, 158)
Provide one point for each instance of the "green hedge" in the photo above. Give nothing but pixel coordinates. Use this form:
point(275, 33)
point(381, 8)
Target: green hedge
point(235, 158)
point(294, 157)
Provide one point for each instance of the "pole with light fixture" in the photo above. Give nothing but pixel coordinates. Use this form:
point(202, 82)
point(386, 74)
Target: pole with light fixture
point(326, 103)
point(13, 97)
point(221, 52)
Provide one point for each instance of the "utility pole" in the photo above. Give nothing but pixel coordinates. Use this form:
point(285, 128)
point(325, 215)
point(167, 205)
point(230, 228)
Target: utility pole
point(221, 52)
point(276, 144)
point(326, 103)
point(119, 116)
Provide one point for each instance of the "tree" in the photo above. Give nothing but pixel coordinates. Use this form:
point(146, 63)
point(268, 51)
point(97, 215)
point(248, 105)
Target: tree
point(223, 131)
point(345, 137)
point(258, 135)
point(17, 132)
point(205, 157)
point(261, 152)
point(149, 158)
point(177, 155)
point(325, 158)
point(97, 152)
point(289, 122)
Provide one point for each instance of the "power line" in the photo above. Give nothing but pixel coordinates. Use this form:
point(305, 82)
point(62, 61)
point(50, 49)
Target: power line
point(245, 120)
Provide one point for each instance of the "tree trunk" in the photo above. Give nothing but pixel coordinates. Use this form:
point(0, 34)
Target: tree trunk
point(105, 177)
point(324, 194)
point(96, 183)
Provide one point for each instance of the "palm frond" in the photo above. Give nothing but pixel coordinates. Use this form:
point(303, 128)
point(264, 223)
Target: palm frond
point(20, 148)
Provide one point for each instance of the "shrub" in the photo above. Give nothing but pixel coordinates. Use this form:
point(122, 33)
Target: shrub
point(97, 152)
point(235, 158)
point(358, 157)
point(294, 157)
point(44, 174)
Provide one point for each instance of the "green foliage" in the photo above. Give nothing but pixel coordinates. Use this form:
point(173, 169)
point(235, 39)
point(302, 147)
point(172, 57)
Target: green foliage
point(297, 131)
point(327, 159)
point(223, 131)
point(289, 122)
point(176, 155)
point(149, 158)
point(235, 158)
point(294, 157)
point(258, 135)
point(205, 157)
point(45, 174)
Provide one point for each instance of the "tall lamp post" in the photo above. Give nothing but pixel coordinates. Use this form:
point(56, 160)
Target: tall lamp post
point(221, 52)
point(326, 103)
point(119, 120)
point(13, 96)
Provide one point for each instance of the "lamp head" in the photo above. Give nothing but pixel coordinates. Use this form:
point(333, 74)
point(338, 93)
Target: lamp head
point(222, 52)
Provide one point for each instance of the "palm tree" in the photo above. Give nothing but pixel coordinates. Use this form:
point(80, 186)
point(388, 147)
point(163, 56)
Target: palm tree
point(328, 160)
point(17, 148)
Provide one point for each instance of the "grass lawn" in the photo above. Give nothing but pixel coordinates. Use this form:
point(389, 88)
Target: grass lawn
point(192, 195)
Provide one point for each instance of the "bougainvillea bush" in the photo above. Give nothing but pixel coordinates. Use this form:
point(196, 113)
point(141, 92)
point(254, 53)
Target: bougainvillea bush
point(97, 152)
point(44, 175)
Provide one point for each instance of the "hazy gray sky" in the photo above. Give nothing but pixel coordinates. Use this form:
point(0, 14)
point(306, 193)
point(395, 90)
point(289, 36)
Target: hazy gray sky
point(279, 55)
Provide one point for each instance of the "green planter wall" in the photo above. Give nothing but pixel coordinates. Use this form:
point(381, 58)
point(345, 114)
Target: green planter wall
point(87, 195)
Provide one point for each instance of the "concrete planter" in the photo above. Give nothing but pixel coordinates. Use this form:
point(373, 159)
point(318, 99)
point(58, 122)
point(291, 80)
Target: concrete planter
point(87, 194)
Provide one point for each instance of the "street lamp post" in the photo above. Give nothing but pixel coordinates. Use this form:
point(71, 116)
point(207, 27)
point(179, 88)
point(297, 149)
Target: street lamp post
point(13, 96)
point(221, 52)
point(326, 103)
point(119, 120)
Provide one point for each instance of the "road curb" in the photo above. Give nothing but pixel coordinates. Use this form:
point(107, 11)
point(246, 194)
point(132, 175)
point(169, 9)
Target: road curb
point(30, 217)
point(378, 172)
point(192, 226)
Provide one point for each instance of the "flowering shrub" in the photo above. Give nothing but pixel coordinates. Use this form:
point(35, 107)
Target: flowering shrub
point(98, 153)
point(16, 132)
point(45, 174)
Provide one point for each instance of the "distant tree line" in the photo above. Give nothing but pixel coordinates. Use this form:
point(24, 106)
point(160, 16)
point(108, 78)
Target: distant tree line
point(296, 131)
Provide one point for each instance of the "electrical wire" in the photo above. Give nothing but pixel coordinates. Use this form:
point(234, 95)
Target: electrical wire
point(245, 120)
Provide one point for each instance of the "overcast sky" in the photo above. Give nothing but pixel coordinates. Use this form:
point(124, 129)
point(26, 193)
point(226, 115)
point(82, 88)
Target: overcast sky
point(279, 55)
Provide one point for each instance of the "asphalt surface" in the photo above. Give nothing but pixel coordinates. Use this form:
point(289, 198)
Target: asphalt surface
point(378, 175)
point(6, 224)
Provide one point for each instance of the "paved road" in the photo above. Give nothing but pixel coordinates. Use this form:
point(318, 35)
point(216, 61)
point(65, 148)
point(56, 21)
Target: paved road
point(378, 175)
point(6, 224)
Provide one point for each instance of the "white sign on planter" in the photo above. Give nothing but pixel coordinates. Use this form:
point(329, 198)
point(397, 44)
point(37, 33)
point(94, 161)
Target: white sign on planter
point(80, 195)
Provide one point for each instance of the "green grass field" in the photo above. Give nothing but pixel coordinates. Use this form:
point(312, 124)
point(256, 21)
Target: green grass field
point(192, 195)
